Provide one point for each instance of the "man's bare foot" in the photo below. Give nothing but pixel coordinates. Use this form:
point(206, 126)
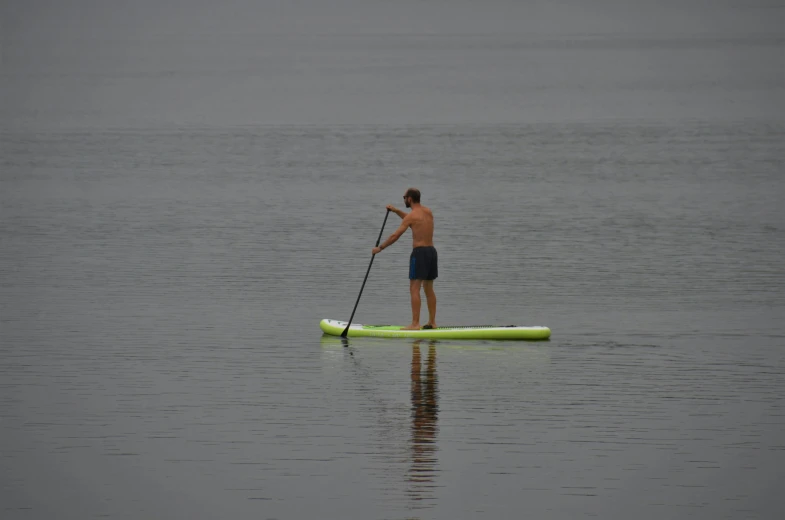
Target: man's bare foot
point(429, 326)
point(413, 326)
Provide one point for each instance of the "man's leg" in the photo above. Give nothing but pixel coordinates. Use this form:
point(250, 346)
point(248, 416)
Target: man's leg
point(430, 296)
point(414, 289)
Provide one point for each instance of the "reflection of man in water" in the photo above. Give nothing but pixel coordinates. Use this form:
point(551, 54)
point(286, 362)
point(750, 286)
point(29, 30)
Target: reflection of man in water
point(425, 408)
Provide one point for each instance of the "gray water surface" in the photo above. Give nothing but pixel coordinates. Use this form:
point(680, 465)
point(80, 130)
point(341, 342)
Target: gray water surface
point(185, 192)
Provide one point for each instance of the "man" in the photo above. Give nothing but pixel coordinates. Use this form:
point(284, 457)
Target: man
point(423, 268)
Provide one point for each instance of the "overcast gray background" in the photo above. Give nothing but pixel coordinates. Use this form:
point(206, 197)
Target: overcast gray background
point(242, 62)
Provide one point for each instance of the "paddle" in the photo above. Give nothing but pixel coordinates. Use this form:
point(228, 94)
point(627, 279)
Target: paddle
point(346, 330)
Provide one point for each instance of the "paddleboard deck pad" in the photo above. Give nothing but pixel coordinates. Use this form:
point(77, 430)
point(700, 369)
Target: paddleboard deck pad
point(508, 332)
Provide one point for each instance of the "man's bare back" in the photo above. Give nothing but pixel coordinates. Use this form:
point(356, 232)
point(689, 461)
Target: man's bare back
point(420, 220)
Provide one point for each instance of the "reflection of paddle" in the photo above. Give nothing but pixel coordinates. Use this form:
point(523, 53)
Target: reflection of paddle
point(346, 330)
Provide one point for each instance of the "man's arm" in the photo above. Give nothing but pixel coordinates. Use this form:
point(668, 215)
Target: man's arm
point(395, 210)
point(394, 237)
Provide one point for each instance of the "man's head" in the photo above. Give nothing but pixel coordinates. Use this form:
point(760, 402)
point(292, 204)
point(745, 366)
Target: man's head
point(412, 196)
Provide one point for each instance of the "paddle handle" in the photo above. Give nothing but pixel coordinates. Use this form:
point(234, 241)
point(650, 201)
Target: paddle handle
point(378, 240)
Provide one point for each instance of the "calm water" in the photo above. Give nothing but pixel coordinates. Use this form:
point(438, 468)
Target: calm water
point(178, 212)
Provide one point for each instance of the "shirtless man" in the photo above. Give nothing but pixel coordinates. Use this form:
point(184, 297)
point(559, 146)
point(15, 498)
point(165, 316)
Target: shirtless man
point(423, 268)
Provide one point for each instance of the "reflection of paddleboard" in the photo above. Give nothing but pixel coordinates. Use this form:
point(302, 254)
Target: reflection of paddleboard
point(336, 328)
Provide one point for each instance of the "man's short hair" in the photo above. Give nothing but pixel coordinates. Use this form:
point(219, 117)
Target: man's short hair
point(414, 193)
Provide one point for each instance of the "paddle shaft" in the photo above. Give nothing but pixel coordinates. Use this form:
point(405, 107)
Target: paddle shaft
point(346, 330)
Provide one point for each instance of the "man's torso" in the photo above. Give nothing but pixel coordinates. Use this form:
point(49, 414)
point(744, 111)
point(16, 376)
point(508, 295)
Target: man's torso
point(421, 226)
